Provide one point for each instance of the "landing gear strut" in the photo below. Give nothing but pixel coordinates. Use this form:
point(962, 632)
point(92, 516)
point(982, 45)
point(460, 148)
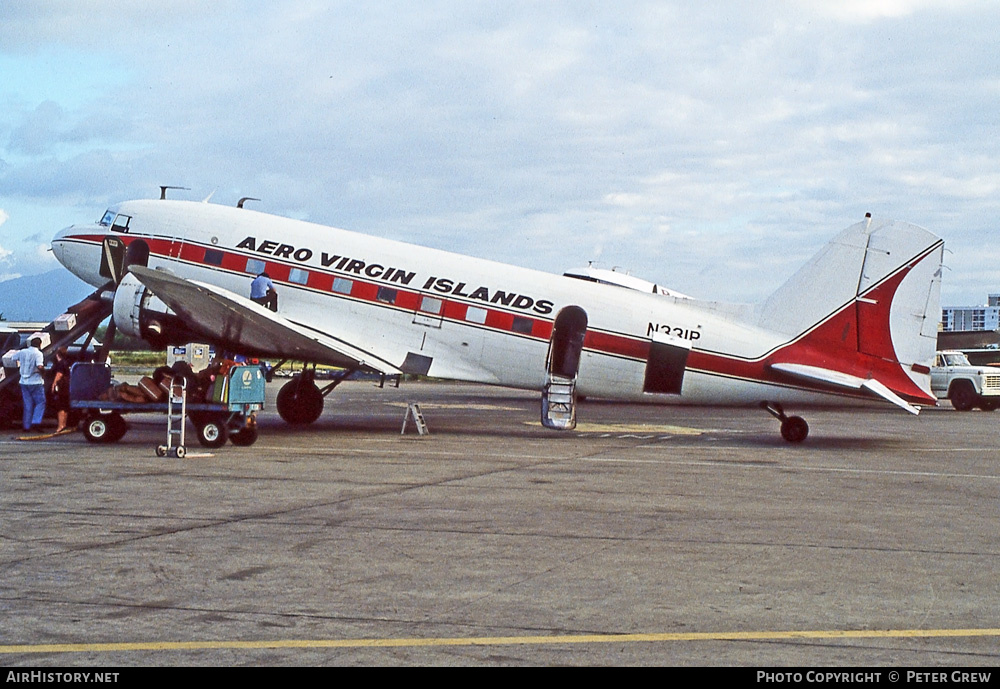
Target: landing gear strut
point(794, 429)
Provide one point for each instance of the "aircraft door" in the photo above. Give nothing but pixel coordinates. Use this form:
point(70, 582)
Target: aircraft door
point(562, 367)
point(112, 258)
point(665, 364)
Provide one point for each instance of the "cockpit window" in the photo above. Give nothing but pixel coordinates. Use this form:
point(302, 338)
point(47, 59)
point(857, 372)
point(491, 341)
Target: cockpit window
point(121, 223)
point(109, 215)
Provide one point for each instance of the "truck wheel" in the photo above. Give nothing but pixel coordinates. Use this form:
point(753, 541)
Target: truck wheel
point(963, 396)
point(988, 405)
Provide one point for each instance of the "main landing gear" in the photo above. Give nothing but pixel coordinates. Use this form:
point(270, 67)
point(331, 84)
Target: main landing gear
point(300, 401)
point(794, 429)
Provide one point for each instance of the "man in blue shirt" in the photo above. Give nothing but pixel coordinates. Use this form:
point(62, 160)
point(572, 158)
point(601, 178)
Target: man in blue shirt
point(262, 291)
point(31, 366)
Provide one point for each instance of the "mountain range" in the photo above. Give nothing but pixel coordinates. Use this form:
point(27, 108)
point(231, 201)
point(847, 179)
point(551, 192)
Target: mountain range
point(41, 297)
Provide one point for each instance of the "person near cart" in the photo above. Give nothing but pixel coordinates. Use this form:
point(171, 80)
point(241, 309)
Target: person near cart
point(31, 367)
point(60, 388)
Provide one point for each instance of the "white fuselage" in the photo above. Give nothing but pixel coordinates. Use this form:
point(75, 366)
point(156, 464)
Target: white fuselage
point(474, 319)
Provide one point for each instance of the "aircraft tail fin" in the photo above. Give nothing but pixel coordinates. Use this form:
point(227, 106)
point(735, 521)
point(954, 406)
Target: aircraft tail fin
point(867, 305)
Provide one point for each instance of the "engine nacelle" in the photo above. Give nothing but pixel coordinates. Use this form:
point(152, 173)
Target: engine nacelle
point(140, 313)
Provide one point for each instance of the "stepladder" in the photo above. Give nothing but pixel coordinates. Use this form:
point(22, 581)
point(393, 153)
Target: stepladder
point(413, 411)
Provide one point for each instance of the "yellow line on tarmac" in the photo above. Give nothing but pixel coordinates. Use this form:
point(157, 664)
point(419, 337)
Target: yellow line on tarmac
point(494, 640)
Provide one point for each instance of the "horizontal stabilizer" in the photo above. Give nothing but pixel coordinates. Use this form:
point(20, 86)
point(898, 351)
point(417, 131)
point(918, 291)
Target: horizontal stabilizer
point(844, 380)
point(249, 327)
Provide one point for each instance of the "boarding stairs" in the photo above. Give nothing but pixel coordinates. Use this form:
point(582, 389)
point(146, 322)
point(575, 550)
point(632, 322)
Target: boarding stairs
point(559, 403)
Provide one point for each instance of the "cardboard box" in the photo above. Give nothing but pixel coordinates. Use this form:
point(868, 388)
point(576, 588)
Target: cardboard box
point(65, 322)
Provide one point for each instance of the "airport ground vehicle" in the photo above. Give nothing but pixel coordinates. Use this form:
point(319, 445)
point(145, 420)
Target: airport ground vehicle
point(967, 386)
point(229, 416)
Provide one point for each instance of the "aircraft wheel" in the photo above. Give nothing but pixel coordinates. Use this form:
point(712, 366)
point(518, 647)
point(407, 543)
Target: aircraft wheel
point(963, 396)
point(794, 429)
point(299, 403)
point(212, 433)
point(244, 437)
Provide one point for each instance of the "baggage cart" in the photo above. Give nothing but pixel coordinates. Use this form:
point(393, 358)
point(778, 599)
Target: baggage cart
point(230, 415)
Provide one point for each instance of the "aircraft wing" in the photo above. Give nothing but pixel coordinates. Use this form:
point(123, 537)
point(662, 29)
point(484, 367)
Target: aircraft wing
point(845, 380)
point(249, 327)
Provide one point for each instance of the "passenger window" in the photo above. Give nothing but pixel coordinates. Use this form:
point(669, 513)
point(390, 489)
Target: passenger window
point(255, 266)
point(213, 257)
point(522, 325)
point(474, 314)
point(431, 305)
point(342, 285)
point(299, 276)
point(386, 295)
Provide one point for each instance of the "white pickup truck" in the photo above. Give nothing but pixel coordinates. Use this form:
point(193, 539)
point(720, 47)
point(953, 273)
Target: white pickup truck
point(967, 386)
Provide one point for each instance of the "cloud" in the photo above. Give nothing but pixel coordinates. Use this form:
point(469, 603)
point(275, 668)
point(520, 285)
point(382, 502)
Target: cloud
point(683, 141)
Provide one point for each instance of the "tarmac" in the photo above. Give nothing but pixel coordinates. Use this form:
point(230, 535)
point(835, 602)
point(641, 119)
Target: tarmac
point(651, 535)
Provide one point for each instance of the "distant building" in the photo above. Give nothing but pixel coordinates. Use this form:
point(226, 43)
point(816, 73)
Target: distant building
point(972, 318)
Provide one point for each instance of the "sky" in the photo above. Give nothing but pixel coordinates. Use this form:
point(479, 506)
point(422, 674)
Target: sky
point(711, 147)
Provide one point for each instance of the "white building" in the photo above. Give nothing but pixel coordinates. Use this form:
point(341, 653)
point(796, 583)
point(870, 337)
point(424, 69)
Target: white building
point(966, 318)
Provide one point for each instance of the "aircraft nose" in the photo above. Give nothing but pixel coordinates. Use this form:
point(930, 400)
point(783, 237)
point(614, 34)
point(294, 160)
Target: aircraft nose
point(59, 243)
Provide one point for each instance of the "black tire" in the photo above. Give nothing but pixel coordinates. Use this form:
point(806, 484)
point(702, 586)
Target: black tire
point(245, 437)
point(299, 403)
point(988, 404)
point(212, 433)
point(794, 429)
point(10, 413)
point(97, 429)
point(963, 396)
point(118, 427)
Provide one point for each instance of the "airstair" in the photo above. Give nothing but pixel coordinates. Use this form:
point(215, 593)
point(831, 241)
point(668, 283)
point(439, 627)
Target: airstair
point(559, 403)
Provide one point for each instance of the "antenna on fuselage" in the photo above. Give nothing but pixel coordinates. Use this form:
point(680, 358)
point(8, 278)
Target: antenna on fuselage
point(239, 204)
point(163, 190)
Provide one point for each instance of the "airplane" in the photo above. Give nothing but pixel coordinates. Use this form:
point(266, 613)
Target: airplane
point(857, 322)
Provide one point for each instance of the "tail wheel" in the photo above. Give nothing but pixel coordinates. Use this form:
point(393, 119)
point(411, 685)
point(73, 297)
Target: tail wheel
point(794, 429)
